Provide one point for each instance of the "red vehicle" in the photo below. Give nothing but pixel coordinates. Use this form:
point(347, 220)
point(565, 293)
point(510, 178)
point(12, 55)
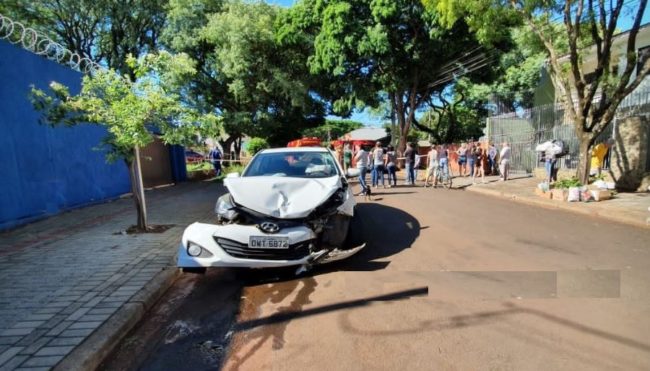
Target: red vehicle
point(193, 157)
point(305, 142)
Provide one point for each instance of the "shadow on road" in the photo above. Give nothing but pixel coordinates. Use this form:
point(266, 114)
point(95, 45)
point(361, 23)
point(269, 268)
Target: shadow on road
point(204, 319)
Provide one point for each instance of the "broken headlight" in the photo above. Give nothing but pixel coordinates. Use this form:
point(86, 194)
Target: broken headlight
point(225, 208)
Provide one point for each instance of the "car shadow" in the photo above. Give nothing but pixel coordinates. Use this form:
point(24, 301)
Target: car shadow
point(386, 231)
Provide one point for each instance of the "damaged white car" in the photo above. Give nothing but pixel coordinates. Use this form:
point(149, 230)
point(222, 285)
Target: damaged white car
point(289, 207)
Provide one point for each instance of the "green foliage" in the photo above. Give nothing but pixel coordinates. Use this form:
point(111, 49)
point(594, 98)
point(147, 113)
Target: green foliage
point(489, 20)
point(260, 87)
point(568, 183)
point(199, 166)
point(518, 74)
point(256, 144)
point(232, 168)
point(392, 50)
point(129, 109)
point(333, 129)
point(105, 31)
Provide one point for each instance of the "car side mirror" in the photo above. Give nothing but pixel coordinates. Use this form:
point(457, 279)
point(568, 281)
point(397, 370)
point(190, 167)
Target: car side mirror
point(232, 175)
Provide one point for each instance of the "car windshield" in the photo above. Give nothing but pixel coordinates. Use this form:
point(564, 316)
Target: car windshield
point(293, 164)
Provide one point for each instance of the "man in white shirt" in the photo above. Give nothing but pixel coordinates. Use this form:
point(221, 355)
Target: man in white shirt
point(504, 164)
point(362, 164)
point(432, 165)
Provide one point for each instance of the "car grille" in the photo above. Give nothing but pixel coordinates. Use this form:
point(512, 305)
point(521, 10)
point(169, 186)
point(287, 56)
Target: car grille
point(241, 250)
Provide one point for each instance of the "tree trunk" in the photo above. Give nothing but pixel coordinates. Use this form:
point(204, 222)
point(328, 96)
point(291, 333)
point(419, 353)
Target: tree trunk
point(226, 145)
point(401, 123)
point(584, 160)
point(138, 195)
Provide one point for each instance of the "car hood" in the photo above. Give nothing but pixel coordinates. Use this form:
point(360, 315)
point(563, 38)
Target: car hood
point(282, 197)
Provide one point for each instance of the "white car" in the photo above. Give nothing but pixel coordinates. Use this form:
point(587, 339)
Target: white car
point(289, 207)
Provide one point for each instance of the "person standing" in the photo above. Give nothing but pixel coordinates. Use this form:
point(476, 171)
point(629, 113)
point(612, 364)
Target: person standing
point(432, 165)
point(504, 164)
point(215, 157)
point(409, 161)
point(378, 165)
point(492, 156)
point(443, 160)
point(480, 155)
point(391, 166)
point(347, 156)
point(361, 159)
point(598, 156)
point(416, 166)
point(462, 159)
point(550, 162)
point(471, 159)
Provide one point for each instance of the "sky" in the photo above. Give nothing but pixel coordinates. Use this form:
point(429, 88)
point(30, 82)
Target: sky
point(625, 22)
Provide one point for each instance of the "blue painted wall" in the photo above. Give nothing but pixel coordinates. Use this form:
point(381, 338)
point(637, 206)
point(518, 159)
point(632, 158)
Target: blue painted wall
point(45, 170)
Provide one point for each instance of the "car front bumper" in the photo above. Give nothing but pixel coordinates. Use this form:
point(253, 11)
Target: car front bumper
point(227, 246)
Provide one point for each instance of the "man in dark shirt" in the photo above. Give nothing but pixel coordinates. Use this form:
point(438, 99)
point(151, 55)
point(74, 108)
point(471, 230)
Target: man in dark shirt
point(409, 161)
point(215, 158)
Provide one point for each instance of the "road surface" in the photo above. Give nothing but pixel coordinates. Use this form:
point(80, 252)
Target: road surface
point(449, 280)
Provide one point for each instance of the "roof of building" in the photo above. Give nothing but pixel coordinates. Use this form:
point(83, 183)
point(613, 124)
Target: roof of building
point(366, 134)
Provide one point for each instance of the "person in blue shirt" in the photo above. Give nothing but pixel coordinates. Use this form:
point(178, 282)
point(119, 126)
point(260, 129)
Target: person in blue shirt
point(215, 159)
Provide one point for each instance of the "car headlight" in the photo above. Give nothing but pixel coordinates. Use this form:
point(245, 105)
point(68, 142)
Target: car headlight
point(193, 249)
point(224, 207)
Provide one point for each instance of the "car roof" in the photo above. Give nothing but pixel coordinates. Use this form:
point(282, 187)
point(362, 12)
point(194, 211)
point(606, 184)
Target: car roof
point(295, 149)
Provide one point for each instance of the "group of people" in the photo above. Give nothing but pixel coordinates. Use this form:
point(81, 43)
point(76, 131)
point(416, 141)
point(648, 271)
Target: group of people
point(376, 160)
point(551, 151)
point(379, 161)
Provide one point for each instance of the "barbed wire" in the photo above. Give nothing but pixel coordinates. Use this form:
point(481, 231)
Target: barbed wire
point(39, 44)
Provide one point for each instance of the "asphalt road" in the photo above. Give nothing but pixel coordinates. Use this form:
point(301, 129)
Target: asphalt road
point(449, 280)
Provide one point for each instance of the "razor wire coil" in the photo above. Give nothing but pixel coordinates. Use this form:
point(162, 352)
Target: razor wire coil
point(28, 38)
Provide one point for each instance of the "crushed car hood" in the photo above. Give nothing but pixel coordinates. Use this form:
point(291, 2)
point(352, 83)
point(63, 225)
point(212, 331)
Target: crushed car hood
point(281, 197)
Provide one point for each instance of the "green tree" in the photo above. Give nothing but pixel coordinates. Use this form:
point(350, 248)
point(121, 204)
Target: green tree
point(255, 145)
point(261, 88)
point(395, 47)
point(451, 121)
point(129, 109)
point(332, 129)
point(104, 31)
point(590, 97)
point(517, 74)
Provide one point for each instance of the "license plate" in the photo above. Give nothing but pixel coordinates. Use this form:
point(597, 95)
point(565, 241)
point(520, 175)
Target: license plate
point(266, 242)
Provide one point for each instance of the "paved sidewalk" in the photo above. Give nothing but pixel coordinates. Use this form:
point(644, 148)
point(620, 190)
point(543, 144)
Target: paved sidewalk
point(65, 279)
point(628, 208)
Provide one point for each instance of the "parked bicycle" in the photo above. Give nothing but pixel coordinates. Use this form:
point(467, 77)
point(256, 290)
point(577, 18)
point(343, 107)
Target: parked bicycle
point(443, 177)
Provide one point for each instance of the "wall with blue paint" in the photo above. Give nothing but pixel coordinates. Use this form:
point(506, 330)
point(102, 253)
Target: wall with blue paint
point(45, 170)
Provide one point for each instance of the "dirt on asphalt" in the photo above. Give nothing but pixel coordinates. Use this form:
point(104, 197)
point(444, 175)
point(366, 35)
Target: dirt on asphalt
point(449, 280)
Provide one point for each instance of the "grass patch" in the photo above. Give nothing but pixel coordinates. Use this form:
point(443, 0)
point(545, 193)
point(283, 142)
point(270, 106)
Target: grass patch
point(199, 166)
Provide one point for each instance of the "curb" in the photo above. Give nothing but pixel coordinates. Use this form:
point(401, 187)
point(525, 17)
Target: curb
point(557, 205)
point(560, 206)
point(93, 350)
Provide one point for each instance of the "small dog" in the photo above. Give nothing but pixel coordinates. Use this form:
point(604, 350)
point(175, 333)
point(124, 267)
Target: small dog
point(367, 193)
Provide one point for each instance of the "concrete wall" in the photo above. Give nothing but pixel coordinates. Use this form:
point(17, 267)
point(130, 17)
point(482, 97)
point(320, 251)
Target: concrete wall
point(629, 156)
point(46, 170)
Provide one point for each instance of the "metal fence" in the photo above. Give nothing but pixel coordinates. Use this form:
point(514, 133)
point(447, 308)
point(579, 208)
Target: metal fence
point(525, 130)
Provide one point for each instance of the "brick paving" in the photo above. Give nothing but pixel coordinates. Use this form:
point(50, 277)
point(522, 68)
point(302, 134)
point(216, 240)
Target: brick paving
point(61, 278)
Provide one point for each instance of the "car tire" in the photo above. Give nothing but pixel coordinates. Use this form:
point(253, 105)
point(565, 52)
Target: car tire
point(200, 270)
point(356, 235)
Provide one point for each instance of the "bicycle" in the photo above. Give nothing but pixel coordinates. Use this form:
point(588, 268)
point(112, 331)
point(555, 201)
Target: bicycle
point(443, 177)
